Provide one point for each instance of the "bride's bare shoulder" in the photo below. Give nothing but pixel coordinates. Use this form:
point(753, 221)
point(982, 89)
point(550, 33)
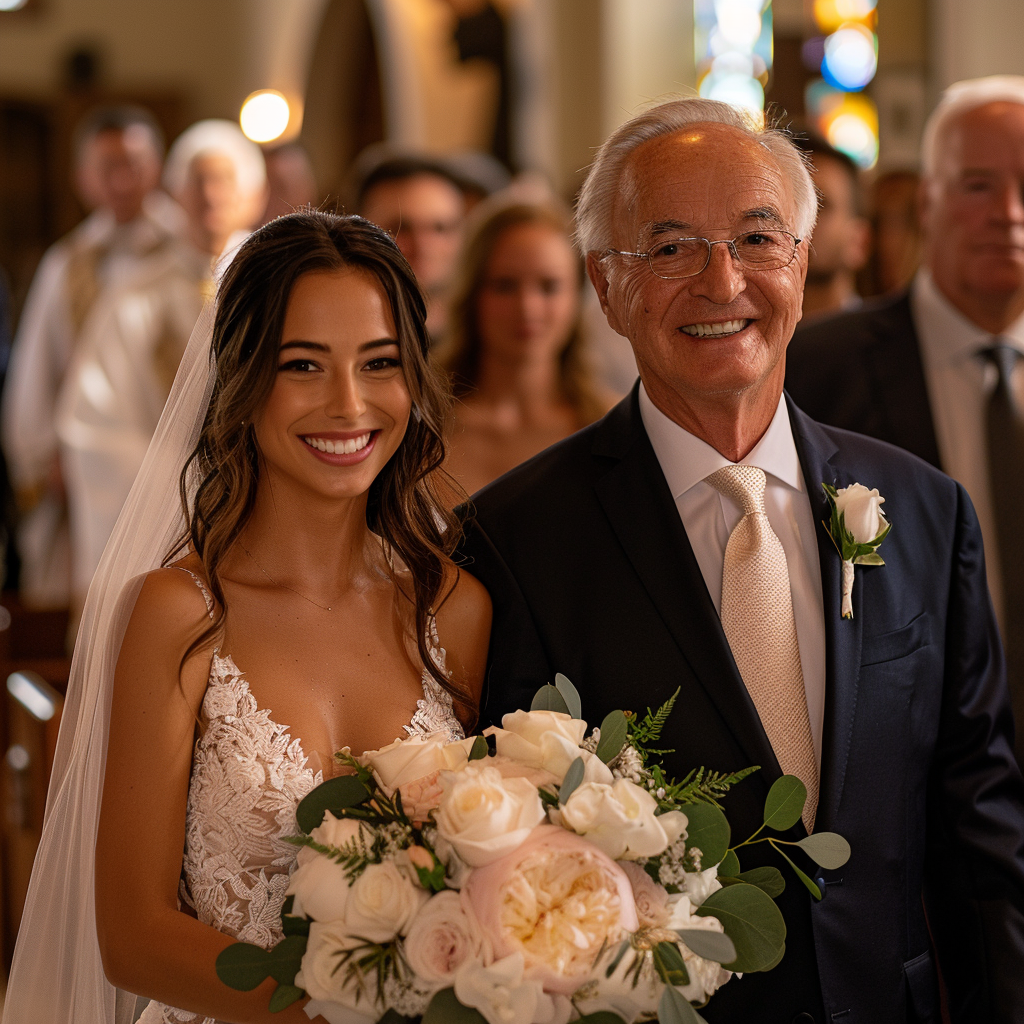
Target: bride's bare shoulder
point(174, 604)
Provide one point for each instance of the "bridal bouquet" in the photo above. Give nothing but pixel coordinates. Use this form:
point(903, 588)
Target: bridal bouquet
point(532, 875)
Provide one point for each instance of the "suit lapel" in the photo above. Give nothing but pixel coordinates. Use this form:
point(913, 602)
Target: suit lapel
point(818, 456)
point(640, 508)
point(897, 374)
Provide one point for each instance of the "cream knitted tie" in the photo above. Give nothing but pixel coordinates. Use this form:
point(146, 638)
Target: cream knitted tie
point(757, 616)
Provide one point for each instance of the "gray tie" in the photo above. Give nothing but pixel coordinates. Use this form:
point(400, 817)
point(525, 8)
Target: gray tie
point(757, 617)
point(1005, 427)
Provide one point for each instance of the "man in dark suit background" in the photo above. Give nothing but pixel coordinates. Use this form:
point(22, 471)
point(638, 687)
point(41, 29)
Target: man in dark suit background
point(935, 369)
point(611, 557)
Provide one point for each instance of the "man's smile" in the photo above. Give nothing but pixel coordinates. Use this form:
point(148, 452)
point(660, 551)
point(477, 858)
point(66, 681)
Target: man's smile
point(720, 328)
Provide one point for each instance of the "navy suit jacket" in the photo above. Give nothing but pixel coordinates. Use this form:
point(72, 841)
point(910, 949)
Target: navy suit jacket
point(591, 574)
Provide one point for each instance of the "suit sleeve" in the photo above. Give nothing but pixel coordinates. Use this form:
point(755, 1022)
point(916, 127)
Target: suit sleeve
point(975, 861)
point(517, 663)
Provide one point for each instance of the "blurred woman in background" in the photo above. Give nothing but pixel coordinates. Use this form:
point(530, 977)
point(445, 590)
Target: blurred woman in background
point(515, 348)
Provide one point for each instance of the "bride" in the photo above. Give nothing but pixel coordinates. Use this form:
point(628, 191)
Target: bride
point(306, 591)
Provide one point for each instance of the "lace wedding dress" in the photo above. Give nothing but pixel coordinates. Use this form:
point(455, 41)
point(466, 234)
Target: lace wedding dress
point(248, 776)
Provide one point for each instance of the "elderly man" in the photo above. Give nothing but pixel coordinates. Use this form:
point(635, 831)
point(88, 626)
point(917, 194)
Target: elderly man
point(935, 370)
point(131, 345)
point(118, 151)
point(680, 542)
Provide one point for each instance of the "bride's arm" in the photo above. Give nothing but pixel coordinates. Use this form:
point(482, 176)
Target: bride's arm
point(148, 946)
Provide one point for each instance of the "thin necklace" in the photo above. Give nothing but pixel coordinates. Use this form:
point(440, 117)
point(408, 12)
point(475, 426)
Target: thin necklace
point(324, 607)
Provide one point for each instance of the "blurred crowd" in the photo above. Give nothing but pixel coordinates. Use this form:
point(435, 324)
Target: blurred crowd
point(511, 312)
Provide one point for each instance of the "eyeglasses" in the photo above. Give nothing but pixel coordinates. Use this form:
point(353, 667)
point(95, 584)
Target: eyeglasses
point(686, 257)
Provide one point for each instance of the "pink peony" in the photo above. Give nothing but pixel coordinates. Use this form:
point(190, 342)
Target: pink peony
point(557, 899)
point(651, 899)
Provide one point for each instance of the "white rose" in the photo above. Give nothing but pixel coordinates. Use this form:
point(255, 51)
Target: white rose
point(548, 740)
point(319, 884)
point(501, 993)
point(484, 816)
point(699, 885)
point(620, 819)
point(415, 757)
point(631, 996)
point(706, 976)
point(443, 937)
point(861, 511)
point(382, 903)
point(321, 979)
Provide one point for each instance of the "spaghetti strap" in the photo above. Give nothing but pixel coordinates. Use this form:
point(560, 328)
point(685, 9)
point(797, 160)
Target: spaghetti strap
point(202, 586)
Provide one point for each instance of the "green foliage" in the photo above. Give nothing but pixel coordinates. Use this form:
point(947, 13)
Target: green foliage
point(697, 787)
point(479, 750)
point(613, 736)
point(768, 879)
point(675, 1008)
point(335, 795)
point(444, 1008)
point(709, 945)
point(352, 857)
point(708, 830)
point(668, 962)
point(601, 1017)
point(647, 730)
point(809, 883)
point(753, 922)
point(243, 966)
point(284, 996)
point(829, 849)
point(573, 777)
point(570, 695)
point(730, 866)
point(547, 698)
point(785, 803)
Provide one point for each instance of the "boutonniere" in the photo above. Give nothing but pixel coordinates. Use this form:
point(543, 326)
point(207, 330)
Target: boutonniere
point(857, 527)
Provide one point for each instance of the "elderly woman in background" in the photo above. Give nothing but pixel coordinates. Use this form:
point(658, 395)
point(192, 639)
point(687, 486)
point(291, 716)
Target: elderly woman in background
point(515, 348)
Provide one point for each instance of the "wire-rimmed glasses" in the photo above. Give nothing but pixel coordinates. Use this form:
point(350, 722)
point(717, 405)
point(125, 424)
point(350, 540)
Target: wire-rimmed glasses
point(764, 249)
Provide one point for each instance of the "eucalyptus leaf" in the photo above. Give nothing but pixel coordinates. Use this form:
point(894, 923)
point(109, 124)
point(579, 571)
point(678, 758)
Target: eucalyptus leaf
point(613, 736)
point(444, 1008)
point(284, 996)
point(573, 777)
point(292, 925)
point(570, 695)
point(753, 922)
point(871, 558)
point(829, 849)
point(334, 795)
point(785, 803)
point(730, 866)
point(668, 962)
point(675, 1008)
point(479, 749)
point(709, 945)
point(601, 1017)
point(547, 698)
point(809, 883)
point(286, 958)
point(708, 830)
point(243, 966)
point(768, 879)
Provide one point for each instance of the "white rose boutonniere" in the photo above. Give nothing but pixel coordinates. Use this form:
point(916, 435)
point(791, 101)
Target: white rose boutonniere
point(857, 528)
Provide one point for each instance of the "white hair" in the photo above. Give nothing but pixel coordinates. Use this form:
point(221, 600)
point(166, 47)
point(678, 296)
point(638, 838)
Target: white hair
point(215, 136)
point(603, 187)
point(956, 101)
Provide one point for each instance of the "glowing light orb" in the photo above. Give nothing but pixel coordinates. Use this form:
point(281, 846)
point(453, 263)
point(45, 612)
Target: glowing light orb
point(850, 58)
point(265, 115)
point(12, 5)
point(830, 14)
point(852, 135)
point(736, 90)
point(739, 24)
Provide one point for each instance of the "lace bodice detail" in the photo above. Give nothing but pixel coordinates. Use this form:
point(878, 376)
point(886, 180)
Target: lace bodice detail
point(248, 776)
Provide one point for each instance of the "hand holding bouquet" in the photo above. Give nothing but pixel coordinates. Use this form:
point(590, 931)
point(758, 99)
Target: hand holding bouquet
point(531, 875)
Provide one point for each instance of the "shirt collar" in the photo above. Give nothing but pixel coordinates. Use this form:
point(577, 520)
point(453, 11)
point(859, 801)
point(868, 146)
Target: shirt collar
point(686, 460)
point(950, 336)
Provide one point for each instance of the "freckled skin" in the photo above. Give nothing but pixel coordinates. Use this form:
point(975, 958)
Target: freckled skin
point(707, 177)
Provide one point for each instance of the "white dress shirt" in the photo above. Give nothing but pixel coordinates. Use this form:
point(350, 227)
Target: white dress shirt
point(959, 384)
point(709, 518)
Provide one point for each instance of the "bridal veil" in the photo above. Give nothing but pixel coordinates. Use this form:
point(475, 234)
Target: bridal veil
point(57, 975)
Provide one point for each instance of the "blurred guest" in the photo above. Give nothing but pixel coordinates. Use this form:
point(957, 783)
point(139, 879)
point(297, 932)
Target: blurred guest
point(937, 369)
point(897, 231)
point(117, 169)
point(841, 232)
point(515, 348)
point(290, 181)
point(422, 204)
point(117, 384)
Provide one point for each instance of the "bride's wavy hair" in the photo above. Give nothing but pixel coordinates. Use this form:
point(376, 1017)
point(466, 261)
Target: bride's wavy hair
point(406, 505)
